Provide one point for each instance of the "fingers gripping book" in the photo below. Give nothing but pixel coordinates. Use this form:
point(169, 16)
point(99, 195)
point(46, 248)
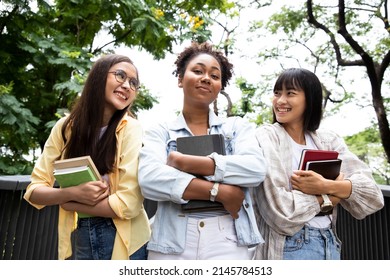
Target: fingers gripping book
point(323, 162)
point(75, 171)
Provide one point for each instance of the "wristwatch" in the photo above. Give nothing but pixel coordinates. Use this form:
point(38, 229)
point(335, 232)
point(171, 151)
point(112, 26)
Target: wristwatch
point(214, 191)
point(326, 205)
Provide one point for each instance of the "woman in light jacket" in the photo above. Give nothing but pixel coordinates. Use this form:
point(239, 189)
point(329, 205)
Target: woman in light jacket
point(290, 209)
point(100, 126)
point(172, 178)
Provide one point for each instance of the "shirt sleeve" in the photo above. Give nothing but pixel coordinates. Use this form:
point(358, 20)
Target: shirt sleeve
point(42, 174)
point(244, 165)
point(366, 197)
point(158, 181)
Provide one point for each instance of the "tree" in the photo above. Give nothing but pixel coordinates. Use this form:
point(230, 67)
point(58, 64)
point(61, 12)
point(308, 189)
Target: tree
point(47, 47)
point(336, 37)
point(367, 146)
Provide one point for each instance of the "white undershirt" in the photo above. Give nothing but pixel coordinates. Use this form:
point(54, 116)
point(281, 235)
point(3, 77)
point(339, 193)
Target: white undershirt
point(105, 176)
point(317, 221)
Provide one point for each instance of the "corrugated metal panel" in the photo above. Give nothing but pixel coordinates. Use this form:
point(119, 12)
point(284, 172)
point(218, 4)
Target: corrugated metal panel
point(366, 239)
point(27, 233)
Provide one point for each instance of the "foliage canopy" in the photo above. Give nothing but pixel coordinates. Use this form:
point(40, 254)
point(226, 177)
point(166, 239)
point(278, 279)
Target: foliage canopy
point(47, 48)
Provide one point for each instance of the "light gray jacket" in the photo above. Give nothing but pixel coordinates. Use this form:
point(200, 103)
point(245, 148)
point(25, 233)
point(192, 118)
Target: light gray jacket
point(281, 212)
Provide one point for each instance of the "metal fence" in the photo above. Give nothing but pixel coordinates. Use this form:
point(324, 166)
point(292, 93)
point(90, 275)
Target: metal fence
point(30, 234)
point(366, 239)
point(25, 232)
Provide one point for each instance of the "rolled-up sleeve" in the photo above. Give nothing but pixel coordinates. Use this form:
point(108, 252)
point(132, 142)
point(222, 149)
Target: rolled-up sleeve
point(158, 181)
point(42, 174)
point(366, 197)
point(245, 164)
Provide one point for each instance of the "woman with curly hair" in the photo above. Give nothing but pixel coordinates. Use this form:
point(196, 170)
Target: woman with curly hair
point(172, 178)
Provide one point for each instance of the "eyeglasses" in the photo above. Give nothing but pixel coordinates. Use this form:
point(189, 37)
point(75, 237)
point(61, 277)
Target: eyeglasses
point(121, 77)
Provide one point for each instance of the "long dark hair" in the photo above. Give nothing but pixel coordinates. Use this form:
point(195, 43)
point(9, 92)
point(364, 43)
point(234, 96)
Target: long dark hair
point(86, 118)
point(302, 79)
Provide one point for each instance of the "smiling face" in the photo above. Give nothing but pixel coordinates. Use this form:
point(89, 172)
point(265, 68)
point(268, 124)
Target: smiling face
point(119, 95)
point(201, 81)
point(289, 106)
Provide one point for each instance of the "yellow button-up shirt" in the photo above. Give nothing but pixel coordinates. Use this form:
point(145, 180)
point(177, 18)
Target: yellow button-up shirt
point(126, 200)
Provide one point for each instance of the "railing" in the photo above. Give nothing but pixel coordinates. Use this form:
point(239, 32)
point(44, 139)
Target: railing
point(366, 239)
point(25, 232)
point(30, 234)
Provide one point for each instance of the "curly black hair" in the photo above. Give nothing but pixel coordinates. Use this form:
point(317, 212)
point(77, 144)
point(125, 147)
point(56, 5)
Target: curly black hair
point(195, 49)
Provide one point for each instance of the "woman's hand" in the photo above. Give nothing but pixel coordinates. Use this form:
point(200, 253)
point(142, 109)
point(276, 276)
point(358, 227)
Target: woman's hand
point(310, 182)
point(198, 165)
point(90, 193)
point(231, 197)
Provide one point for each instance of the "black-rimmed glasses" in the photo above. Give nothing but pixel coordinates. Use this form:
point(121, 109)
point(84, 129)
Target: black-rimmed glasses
point(121, 77)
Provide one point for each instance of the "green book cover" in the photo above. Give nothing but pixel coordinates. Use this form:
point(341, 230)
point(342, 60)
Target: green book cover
point(74, 176)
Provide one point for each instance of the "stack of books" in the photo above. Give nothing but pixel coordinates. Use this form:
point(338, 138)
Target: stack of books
point(323, 162)
point(75, 171)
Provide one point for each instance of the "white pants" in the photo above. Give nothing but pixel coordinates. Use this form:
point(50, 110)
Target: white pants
point(207, 239)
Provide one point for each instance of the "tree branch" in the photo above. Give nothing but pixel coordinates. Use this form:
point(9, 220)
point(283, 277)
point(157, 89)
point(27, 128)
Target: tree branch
point(312, 20)
point(230, 104)
point(116, 40)
point(8, 17)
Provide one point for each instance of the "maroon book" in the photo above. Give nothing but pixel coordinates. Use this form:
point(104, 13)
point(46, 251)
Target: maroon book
point(315, 155)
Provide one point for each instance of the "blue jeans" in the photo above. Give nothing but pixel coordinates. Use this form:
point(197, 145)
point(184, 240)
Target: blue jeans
point(312, 244)
point(140, 254)
point(94, 238)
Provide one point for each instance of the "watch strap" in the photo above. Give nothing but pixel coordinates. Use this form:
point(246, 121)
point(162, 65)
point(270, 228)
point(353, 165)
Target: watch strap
point(214, 191)
point(326, 199)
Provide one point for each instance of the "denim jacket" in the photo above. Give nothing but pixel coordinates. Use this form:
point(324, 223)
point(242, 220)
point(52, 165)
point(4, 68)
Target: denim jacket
point(243, 165)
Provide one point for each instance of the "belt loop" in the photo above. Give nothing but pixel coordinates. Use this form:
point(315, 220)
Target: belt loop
point(307, 235)
point(220, 223)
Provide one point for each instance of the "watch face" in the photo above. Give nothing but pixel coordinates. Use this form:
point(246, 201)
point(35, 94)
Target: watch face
point(326, 207)
point(213, 192)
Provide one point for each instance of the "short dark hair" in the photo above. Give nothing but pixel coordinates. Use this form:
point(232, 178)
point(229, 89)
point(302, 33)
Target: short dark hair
point(303, 79)
point(195, 49)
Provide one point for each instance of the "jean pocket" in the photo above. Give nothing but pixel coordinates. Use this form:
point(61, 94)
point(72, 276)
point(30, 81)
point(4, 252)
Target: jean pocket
point(294, 242)
point(230, 235)
point(111, 224)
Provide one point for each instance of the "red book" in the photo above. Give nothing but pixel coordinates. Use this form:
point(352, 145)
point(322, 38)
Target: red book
point(315, 155)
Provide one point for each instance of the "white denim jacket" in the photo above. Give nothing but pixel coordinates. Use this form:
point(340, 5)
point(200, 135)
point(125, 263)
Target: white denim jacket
point(243, 165)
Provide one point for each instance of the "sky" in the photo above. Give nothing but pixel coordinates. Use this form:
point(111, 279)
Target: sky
point(158, 77)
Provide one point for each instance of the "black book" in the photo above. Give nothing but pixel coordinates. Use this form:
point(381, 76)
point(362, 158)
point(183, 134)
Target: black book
point(329, 169)
point(201, 145)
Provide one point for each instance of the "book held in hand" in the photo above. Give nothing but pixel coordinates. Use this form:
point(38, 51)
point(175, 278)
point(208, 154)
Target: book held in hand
point(75, 171)
point(329, 169)
point(323, 162)
point(201, 145)
point(314, 155)
point(62, 166)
